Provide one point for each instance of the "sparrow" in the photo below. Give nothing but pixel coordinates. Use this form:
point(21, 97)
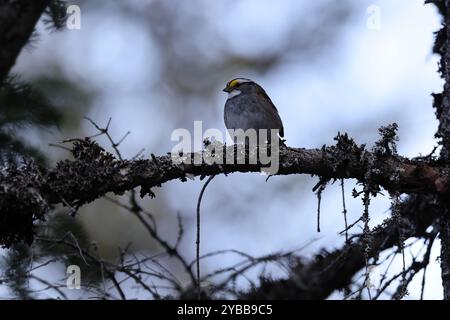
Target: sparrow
point(249, 107)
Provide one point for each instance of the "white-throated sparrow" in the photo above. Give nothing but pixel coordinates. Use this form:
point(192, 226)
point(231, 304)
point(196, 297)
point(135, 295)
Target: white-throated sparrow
point(249, 107)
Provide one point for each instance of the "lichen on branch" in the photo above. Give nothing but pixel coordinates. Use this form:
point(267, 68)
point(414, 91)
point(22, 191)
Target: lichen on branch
point(30, 190)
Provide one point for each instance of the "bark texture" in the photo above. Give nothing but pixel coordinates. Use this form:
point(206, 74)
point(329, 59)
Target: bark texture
point(442, 106)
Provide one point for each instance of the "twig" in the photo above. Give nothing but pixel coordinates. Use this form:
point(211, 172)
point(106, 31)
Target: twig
point(49, 285)
point(180, 230)
point(319, 200)
point(197, 242)
point(351, 225)
point(366, 235)
point(426, 261)
point(344, 210)
point(172, 251)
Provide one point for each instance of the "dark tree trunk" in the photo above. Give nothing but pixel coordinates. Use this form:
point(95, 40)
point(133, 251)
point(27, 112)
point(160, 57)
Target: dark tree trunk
point(17, 22)
point(442, 106)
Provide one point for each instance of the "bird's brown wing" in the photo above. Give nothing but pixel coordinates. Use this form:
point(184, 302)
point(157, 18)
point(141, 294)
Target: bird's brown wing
point(270, 111)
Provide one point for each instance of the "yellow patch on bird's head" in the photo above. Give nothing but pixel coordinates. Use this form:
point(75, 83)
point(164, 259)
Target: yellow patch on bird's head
point(234, 83)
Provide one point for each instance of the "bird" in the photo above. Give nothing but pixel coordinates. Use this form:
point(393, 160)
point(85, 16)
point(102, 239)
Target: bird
point(249, 107)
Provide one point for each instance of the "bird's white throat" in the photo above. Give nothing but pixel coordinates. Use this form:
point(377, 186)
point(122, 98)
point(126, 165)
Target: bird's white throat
point(233, 93)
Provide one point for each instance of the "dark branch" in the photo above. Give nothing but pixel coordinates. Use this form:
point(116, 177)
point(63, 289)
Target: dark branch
point(31, 190)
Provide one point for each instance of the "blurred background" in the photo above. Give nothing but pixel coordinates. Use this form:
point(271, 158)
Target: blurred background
point(155, 66)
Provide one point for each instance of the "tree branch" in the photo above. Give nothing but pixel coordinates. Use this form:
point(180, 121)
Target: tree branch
point(31, 190)
point(95, 172)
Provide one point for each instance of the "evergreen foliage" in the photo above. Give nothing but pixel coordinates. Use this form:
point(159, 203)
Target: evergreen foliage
point(22, 107)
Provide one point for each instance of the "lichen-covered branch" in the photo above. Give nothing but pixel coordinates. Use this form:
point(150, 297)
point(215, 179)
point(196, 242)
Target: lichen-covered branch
point(28, 191)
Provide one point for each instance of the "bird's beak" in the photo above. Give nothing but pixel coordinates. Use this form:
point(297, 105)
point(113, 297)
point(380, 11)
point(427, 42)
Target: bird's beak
point(227, 89)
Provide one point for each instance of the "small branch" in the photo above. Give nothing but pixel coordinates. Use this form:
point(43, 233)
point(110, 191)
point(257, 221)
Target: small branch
point(335, 270)
point(344, 210)
point(197, 242)
point(171, 250)
point(319, 201)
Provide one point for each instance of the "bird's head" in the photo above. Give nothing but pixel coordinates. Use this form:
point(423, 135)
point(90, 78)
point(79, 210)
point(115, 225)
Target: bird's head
point(239, 85)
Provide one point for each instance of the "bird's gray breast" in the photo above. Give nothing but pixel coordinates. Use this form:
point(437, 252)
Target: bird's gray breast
point(239, 113)
point(246, 112)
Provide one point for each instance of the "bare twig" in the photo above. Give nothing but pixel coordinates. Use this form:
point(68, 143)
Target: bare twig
point(197, 242)
point(344, 210)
